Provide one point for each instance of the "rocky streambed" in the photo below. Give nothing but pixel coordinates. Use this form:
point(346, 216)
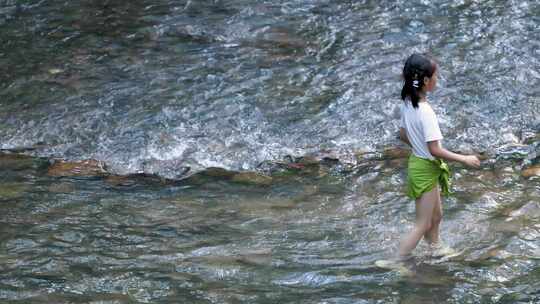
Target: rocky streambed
point(305, 229)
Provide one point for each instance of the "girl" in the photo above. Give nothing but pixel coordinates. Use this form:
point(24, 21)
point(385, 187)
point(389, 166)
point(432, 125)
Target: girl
point(428, 174)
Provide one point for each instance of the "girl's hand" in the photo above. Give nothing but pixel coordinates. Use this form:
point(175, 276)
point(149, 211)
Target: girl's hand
point(471, 161)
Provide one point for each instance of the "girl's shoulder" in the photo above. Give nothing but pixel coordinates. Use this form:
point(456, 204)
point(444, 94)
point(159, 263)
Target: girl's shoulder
point(425, 107)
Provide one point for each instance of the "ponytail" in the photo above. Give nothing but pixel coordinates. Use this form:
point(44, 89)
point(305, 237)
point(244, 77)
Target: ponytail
point(417, 67)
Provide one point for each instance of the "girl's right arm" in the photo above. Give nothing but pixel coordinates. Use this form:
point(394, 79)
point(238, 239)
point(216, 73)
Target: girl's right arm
point(437, 150)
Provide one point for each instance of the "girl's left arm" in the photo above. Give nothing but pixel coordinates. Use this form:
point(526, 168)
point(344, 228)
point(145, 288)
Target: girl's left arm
point(437, 150)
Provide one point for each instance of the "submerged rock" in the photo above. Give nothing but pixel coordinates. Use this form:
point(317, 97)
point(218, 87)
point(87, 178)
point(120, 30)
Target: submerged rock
point(119, 181)
point(61, 188)
point(531, 171)
point(531, 138)
point(218, 172)
point(396, 152)
point(253, 178)
point(308, 161)
point(529, 210)
point(89, 167)
point(12, 190)
point(18, 161)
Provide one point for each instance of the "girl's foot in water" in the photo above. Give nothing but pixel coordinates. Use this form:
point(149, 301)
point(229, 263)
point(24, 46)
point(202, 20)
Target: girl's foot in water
point(440, 250)
point(401, 265)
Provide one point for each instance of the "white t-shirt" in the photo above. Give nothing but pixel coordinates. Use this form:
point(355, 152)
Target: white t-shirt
point(421, 125)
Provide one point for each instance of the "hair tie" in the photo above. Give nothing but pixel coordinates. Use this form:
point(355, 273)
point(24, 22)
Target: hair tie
point(415, 83)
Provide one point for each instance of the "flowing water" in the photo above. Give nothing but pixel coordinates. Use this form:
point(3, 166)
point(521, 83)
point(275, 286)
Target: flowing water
point(163, 90)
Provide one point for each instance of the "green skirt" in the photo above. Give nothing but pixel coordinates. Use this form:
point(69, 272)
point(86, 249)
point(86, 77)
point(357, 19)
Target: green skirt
point(424, 174)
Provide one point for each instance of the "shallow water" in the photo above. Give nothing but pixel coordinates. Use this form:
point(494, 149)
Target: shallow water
point(170, 88)
point(311, 236)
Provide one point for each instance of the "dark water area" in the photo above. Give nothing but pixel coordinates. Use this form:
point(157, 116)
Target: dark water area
point(298, 101)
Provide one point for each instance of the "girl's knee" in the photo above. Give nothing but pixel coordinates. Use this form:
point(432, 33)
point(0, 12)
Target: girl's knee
point(436, 218)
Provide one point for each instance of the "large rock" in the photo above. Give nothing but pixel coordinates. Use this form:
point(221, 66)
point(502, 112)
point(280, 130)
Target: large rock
point(10, 161)
point(252, 178)
point(529, 210)
point(531, 138)
point(218, 172)
point(89, 167)
point(531, 171)
point(119, 181)
point(396, 152)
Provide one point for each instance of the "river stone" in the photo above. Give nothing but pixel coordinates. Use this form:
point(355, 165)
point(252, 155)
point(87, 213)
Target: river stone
point(252, 178)
point(12, 190)
point(16, 161)
point(531, 171)
point(529, 210)
point(531, 139)
point(89, 167)
point(218, 172)
point(119, 181)
point(308, 161)
point(61, 188)
point(281, 38)
point(396, 163)
point(360, 154)
point(396, 152)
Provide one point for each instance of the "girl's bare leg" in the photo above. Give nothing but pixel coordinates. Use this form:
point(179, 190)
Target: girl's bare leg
point(425, 206)
point(432, 235)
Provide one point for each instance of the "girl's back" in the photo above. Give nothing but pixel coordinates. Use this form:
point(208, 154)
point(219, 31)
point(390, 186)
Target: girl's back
point(421, 126)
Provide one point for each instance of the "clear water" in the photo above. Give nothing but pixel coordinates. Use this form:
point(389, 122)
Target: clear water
point(160, 87)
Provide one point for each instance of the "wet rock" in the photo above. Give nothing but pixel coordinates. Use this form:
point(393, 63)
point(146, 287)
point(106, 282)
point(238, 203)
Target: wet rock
point(190, 33)
point(61, 188)
point(363, 155)
point(529, 210)
point(18, 162)
point(487, 253)
point(397, 163)
point(252, 257)
point(119, 181)
point(218, 172)
point(295, 166)
point(531, 171)
point(531, 138)
point(396, 152)
point(281, 38)
point(90, 167)
point(508, 226)
point(308, 161)
point(513, 151)
point(252, 178)
point(256, 257)
point(146, 178)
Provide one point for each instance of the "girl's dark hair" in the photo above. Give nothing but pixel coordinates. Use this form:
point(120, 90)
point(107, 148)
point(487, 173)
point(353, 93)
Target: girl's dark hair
point(416, 68)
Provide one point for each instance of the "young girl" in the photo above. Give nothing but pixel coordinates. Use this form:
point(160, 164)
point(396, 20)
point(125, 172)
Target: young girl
point(428, 174)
